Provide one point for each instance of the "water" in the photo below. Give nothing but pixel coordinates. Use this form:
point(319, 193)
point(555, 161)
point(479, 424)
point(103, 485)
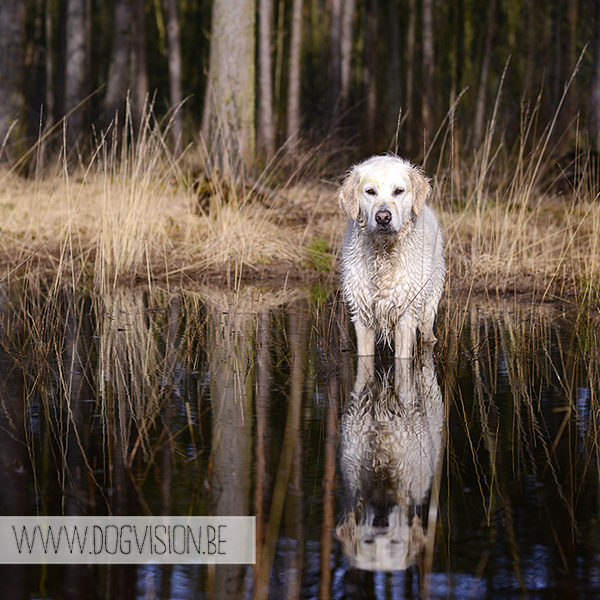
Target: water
point(471, 473)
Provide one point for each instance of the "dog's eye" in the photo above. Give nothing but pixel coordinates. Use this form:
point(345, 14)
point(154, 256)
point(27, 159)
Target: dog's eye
point(370, 191)
point(397, 191)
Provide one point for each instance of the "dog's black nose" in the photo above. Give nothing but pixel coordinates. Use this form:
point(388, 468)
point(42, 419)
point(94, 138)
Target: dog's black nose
point(381, 522)
point(383, 217)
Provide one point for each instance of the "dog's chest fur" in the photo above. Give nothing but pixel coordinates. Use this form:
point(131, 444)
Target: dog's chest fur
point(379, 281)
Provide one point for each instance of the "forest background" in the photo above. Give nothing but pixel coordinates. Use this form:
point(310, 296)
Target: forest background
point(499, 99)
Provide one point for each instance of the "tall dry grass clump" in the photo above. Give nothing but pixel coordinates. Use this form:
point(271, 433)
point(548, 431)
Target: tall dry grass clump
point(133, 213)
point(515, 219)
point(522, 219)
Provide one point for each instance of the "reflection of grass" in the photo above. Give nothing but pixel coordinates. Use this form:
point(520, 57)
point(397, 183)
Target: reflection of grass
point(117, 384)
point(522, 388)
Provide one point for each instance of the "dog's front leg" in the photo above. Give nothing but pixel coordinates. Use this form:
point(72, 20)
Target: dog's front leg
point(365, 342)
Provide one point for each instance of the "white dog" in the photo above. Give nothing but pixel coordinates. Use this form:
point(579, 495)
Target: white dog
point(392, 265)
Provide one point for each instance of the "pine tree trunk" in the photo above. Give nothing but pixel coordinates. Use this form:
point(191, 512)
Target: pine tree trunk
point(176, 96)
point(12, 44)
point(293, 114)
point(229, 130)
point(370, 75)
point(485, 72)
point(410, 74)
point(140, 64)
point(119, 72)
point(335, 59)
point(266, 126)
point(346, 42)
point(595, 91)
point(78, 36)
point(428, 71)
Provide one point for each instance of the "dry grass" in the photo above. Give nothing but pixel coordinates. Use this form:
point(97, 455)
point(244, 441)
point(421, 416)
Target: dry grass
point(512, 221)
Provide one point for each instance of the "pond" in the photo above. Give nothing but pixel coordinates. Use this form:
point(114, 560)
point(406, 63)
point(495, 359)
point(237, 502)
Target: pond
point(471, 472)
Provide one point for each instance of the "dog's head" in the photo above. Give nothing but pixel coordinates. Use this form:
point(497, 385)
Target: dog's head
point(381, 546)
point(385, 192)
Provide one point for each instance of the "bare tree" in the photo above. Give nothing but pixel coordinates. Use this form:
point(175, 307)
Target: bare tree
point(346, 42)
point(595, 91)
point(128, 73)
point(119, 72)
point(77, 65)
point(266, 125)
point(370, 71)
point(428, 70)
point(140, 64)
point(410, 74)
point(228, 122)
point(12, 44)
point(293, 110)
point(484, 76)
point(335, 57)
point(176, 96)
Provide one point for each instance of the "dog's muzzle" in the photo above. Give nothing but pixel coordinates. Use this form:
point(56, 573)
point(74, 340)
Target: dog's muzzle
point(383, 220)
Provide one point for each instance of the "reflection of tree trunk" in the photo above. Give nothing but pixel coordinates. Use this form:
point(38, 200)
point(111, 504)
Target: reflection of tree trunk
point(290, 449)
point(167, 452)
point(333, 393)
point(231, 398)
point(490, 424)
point(263, 389)
point(294, 501)
point(76, 492)
point(13, 448)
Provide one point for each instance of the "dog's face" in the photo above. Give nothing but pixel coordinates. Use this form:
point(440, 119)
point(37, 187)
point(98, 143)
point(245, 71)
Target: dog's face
point(378, 546)
point(385, 191)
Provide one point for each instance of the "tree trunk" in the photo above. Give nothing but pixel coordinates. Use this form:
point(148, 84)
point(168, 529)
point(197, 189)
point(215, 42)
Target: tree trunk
point(335, 59)
point(293, 115)
point(78, 40)
point(176, 96)
point(410, 73)
point(393, 89)
point(428, 70)
point(485, 72)
point(347, 39)
point(595, 95)
point(12, 44)
point(140, 65)
point(370, 76)
point(266, 125)
point(119, 72)
point(229, 130)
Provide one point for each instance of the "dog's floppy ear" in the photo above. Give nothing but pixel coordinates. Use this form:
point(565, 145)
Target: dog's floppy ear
point(348, 194)
point(421, 189)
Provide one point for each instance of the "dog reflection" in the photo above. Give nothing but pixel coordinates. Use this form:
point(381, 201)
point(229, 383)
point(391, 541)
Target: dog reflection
point(390, 446)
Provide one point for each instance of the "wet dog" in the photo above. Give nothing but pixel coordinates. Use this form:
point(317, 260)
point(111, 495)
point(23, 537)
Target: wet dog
point(392, 263)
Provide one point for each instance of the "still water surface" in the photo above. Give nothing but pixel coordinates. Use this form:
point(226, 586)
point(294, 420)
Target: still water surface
point(470, 473)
